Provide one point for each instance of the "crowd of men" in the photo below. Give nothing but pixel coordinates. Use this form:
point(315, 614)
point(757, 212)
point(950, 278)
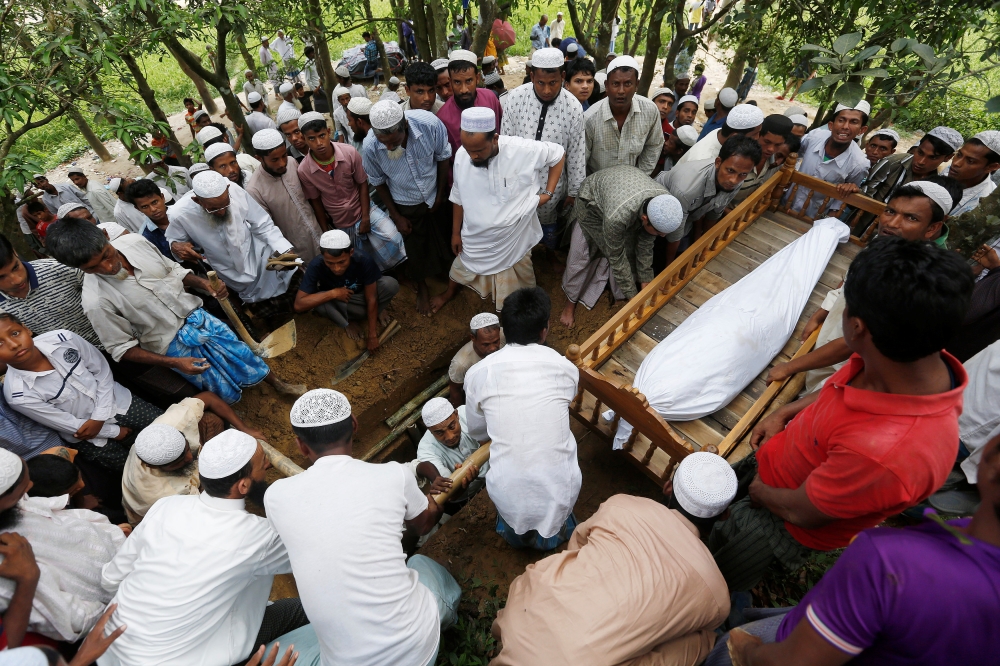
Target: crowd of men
point(125, 473)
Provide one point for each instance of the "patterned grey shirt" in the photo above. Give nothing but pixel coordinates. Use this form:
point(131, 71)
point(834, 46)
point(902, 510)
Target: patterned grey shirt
point(54, 300)
point(638, 143)
point(694, 186)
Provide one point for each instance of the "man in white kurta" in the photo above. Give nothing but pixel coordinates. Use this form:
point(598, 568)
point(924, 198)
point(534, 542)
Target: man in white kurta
point(126, 214)
point(519, 397)
point(93, 192)
point(497, 195)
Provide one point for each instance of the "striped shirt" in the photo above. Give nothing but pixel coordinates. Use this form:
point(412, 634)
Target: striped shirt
point(412, 177)
point(638, 143)
point(22, 436)
point(54, 300)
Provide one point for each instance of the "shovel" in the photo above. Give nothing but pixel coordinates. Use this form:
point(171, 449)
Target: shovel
point(346, 369)
point(275, 344)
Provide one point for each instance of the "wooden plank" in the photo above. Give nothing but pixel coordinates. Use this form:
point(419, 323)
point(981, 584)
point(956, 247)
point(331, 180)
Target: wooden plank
point(658, 327)
point(698, 432)
point(695, 294)
point(782, 233)
point(743, 256)
point(727, 270)
point(617, 372)
point(711, 281)
point(763, 241)
point(634, 350)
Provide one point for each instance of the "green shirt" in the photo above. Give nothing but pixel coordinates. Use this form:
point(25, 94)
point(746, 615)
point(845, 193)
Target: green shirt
point(942, 240)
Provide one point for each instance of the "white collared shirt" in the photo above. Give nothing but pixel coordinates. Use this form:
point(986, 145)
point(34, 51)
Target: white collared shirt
point(972, 195)
point(129, 217)
point(191, 583)
point(851, 166)
point(519, 397)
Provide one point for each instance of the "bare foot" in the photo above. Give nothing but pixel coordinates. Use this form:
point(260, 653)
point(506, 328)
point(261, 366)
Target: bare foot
point(568, 316)
point(384, 318)
point(438, 302)
point(423, 299)
point(353, 331)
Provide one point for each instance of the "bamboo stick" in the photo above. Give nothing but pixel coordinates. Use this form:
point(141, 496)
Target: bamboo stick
point(401, 428)
point(279, 460)
point(417, 401)
point(478, 458)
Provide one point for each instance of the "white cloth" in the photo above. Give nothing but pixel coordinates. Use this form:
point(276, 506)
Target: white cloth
point(980, 419)
point(444, 458)
point(366, 606)
point(341, 123)
point(191, 583)
point(256, 86)
point(557, 29)
point(101, 201)
point(519, 397)
point(285, 48)
point(257, 121)
point(500, 202)
point(129, 217)
point(706, 149)
point(712, 356)
point(78, 388)
point(239, 250)
point(70, 546)
point(972, 195)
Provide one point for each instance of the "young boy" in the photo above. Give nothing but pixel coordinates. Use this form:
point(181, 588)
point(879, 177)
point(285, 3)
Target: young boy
point(444, 448)
point(189, 110)
point(54, 476)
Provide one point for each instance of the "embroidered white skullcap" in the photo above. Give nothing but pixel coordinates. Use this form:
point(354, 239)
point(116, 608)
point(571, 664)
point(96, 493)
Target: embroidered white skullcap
point(77, 170)
point(217, 149)
point(491, 79)
point(685, 99)
point(462, 54)
point(285, 88)
point(439, 64)
point(483, 320)
point(623, 61)
point(887, 132)
point(113, 229)
point(436, 410)
point(199, 113)
point(159, 444)
point(24, 656)
point(395, 81)
point(67, 207)
point(335, 239)
point(479, 119)
point(548, 58)
point(207, 134)
point(267, 139)
point(951, 137)
point(225, 454)
point(572, 48)
point(704, 484)
point(114, 184)
point(390, 95)
point(254, 97)
point(935, 193)
point(384, 115)
point(665, 213)
point(990, 139)
point(342, 71)
point(661, 91)
point(793, 111)
point(320, 407)
point(489, 60)
point(744, 117)
point(197, 167)
point(287, 115)
point(10, 470)
point(862, 106)
point(687, 135)
point(309, 117)
point(340, 91)
point(359, 106)
point(799, 120)
point(728, 97)
point(210, 184)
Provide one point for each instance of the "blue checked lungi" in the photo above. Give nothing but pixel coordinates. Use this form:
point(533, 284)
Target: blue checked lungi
point(383, 243)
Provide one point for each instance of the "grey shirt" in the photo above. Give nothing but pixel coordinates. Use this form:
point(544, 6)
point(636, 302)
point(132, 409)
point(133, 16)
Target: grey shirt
point(694, 186)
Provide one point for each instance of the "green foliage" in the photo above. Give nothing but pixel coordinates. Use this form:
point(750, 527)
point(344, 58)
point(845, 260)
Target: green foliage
point(780, 588)
point(469, 642)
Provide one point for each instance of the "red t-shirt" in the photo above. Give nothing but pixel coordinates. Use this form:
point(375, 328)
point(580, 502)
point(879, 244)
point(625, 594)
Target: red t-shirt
point(340, 194)
point(863, 455)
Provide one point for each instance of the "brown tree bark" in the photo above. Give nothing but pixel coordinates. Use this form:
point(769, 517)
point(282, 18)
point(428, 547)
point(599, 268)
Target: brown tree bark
point(327, 76)
point(89, 134)
point(653, 44)
point(241, 44)
point(488, 12)
point(207, 98)
point(420, 30)
point(149, 97)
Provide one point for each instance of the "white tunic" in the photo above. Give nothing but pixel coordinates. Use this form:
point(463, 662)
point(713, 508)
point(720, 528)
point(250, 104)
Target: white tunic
point(980, 419)
point(706, 149)
point(101, 201)
point(500, 202)
point(238, 250)
point(446, 459)
point(129, 217)
point(192, 583)
point(519, 397)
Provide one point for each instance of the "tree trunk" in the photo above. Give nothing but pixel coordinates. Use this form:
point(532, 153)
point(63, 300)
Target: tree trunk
point(241, 43)
point(420, 30)
point(149, 97)
point(639, 34)
point(736, 69)
point(89, 134)
point(488, 12)
point(653, 43)
point(207, 98)
point(327, 76)
point(12, 230)
point(439, 34)
point(627, 37)
point(383, 58)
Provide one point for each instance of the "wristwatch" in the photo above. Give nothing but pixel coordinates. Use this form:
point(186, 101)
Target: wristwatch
point(548, 193)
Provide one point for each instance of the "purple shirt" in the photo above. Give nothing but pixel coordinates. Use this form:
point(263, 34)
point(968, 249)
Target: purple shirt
point(699, 84)
point(451, 115)
point(908, 596)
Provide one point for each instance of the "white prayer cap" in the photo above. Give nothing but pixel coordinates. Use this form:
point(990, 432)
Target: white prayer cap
point(10, 470)
point(38, 175)
point(65, 209)
point(462, 54)
point(342, 71)
point(709, 105)
point(687, 135)
point(704, 484)
point(599, 80)
point(114, 184)
point(359, 106)
point(665, 213)
point(479, 119)
point(159, 444)
point(951, 137)
point(197, 167)
point(199, 113)
point(395, 81)
point(572, 48)
point(661, 91)
point(254, 97)
point(935, 193)
point(439, 64)
point(728, 97)
point(309, 117)
point(207, 134)
point(249, 71)
point(990, 139)
point(483, 320)
point(794, 111)
point(489, 60)
point(744, 117)
point(25, 656)
point(548, 58)
point(436, 410)
point(320, 407)
point(335, 240)
point(285, 88)
point(113, 229)
point(799, 120)
point(888, 133)
point(389, 95)
point(225, 454)
point(384, 115)
point(686, 98)
point(168, 196)
point(287, 115)
point(217, 149)
point(623, 61)
point(339, 91)
point(491, 79)
point(862, 106)
point(77, 170)
point(267, 139)
point(210, 184)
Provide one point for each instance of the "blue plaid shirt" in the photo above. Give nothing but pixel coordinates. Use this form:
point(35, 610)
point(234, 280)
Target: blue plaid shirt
point(21, 435)
point(371, 53)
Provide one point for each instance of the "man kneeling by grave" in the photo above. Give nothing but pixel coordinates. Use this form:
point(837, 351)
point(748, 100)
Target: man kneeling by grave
point(444, 448)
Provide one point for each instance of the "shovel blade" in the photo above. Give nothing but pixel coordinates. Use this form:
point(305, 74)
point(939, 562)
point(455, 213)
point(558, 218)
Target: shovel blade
point(347, 369)
point(278, 342)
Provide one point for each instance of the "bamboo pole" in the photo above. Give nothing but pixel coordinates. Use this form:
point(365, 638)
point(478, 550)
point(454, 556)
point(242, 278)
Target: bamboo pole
point(401, 428)
point(280, 461)
point(417, 401)
point(478, 458)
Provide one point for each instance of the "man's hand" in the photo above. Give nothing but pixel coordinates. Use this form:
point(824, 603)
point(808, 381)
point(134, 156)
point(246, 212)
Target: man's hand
point(96, 643)
point(125, 528)
point(19, 563)
point(288, 659)
point(341, 294)
point(438, 200)
point(371, 342)
point(768, 427)
point(402, 224)
point(190, 365)
point(471, 476)
point(366, 225)
point(568, 202)
point(123, 432)
point(456, 244)
point(440, 485)
point(739, 644)
point(543, 199)
point(778, 373)
point(89, 429)
point(220, 293)
point(755, 490)
point(815, 321)
point(987, 257)
point(185, 252)
point(845, 189)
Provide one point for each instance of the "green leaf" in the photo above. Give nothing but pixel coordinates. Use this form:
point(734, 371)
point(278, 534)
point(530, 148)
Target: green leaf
point(823, 60)
point(811, 84)
point(993, 104)
point(849, 94)
point(925, 52)
point(830, 79)
point(867, 53)
point(877, 73)
point(847, 42)
point(813, 47)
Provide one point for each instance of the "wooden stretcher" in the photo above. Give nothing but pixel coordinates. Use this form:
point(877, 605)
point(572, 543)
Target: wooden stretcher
point(756, 229)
